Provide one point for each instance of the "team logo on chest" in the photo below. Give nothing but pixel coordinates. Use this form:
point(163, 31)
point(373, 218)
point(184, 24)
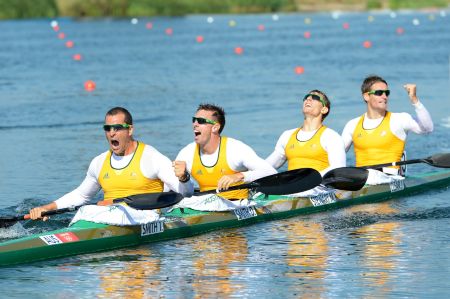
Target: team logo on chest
point(118, 171)
point(106, 176)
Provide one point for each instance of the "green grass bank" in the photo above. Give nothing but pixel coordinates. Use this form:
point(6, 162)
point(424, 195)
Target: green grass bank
point(16, 9)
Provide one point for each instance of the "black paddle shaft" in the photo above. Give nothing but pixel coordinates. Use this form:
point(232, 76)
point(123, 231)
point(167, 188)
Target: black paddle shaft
point(438, 160)
point(146, 201)
point(288, 182)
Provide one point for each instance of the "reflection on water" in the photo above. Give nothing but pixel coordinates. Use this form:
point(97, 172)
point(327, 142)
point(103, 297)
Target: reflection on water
point(379, 247)
point(212, 267)
point(306, 257)
point(132, 279)
point(214, 263)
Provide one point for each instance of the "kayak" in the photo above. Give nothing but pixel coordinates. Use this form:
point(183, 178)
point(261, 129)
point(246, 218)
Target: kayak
point(87, 237)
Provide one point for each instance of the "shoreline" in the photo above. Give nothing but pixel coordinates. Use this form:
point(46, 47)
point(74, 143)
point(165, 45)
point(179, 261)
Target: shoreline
point(161, 8)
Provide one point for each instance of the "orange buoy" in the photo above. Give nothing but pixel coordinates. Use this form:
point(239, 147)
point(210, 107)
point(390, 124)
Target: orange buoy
point(56, 28)
point(61, 35)
point(299, 70)
point(367, 44)
point(77, 57)
point(149, 25)
point(69, 44)
point(346, 25)
point(261, 27)
point(307, 34)
point(89, 85)
point(400, 30)
point(238, 50)
point(169, 31)
point(199, 39)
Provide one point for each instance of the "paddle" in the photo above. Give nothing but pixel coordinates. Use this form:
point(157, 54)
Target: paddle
point(146, 201)
point(288, 182)
point(437, 160)
point(354, 178)
point(346, 178)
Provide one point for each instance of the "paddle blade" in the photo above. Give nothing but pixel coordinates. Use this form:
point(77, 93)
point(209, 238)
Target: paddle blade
point(9, 221)
point(439, 160)
point(289, 182)
point(150, 201)
point(346, 178)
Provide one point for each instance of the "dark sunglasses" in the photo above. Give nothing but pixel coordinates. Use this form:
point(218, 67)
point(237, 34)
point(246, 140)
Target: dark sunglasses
point(315, 97)
point(202, 121)
point(116, 127)
point(380, 92)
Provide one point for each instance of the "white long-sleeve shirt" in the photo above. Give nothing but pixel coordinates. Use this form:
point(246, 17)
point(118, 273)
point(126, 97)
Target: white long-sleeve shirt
point(400, 124)
point(154, 165)
point(240, 158)
point(330, 140)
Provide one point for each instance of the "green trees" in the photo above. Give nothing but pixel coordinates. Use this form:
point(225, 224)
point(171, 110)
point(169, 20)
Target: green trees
point(12, 9)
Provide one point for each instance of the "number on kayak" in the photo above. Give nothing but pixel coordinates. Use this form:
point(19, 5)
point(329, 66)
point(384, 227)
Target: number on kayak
point(245, 213)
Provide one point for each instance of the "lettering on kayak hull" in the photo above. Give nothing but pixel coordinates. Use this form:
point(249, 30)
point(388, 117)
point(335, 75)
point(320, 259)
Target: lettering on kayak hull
point(151, 228)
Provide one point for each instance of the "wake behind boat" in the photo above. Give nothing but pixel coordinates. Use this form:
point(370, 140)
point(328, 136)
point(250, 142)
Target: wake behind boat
point(88, 237)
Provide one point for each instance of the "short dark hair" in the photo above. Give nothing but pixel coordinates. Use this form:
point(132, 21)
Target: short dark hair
point(325, 98)
point(369, 81)
point(117, 110)
point(218, 113)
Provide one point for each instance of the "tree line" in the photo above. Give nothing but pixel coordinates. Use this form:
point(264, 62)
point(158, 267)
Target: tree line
point(17, 9)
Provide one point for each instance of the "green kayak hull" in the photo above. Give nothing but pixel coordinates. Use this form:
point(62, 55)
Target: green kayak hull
point(88, 237)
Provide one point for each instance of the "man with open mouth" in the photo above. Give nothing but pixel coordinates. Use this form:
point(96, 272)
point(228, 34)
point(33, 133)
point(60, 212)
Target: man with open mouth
point(217, 162)
point(129, 167)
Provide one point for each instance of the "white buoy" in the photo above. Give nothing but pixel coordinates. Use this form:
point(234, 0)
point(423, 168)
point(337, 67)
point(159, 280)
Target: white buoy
point(335, 15)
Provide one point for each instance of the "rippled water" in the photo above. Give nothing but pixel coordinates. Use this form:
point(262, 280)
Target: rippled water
point(51, 130)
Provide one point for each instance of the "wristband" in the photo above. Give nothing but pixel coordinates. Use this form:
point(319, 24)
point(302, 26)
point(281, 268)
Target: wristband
point(186, 177)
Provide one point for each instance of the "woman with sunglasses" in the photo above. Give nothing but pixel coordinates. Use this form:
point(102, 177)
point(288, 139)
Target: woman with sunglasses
point(379, 136)
point(216, 161)
point(312, 145)
point(129, 167)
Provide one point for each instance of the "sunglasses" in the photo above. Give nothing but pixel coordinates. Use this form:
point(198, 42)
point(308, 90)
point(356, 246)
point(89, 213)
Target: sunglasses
point(316, 98)
point(202, 121)
point(116, 127)
point(380, 92)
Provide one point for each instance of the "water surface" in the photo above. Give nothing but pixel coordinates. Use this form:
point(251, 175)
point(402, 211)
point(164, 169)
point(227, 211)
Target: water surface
point(51, 129)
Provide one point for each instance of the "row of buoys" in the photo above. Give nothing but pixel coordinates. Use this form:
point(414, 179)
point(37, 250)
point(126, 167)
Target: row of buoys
point(89, 85)
point(306, 34)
